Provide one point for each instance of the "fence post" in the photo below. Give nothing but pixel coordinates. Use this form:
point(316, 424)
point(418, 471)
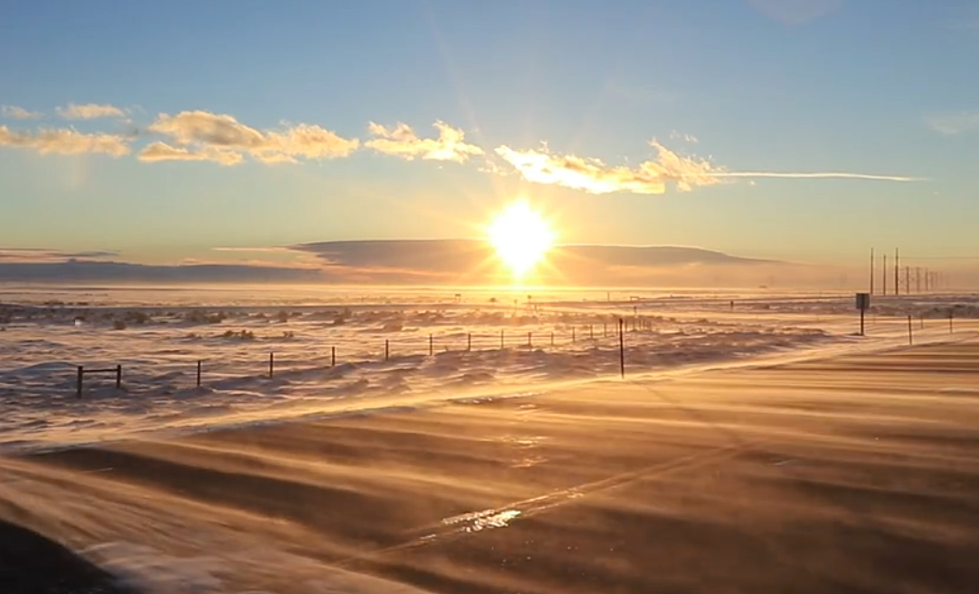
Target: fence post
point(501, 340)
point(80, 381)
point(387, 349)
point(333, 356)
point(118, 377)
point(622, 347)
point(198, 373)
point(469, 341)
point(910, 332)
point(271, 364)
point(530, 340)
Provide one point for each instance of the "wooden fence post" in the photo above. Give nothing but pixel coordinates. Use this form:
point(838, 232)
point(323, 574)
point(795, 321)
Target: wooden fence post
point(622, 347)
point(431, 345)
point(387, 349)
point(333, 356)
point(271, 364)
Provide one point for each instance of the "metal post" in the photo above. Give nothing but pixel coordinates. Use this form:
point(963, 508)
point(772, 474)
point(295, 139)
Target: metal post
point(431, 345)
point(271, 364)
point(118, 377)
point(333, 356)
point(198, 373)
point(862, 314)
point(622, 347)
point(78, 385)
point(387, 349)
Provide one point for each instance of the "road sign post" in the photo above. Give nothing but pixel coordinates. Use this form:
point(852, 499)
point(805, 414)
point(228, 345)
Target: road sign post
point(863, 304)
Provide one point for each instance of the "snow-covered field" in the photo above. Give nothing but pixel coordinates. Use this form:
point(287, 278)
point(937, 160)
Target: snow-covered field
point(441, 345)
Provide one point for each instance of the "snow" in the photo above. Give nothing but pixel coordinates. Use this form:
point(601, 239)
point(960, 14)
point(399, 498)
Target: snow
point(158, 338)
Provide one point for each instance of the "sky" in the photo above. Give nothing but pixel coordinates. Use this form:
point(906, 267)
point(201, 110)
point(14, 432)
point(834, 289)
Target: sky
point(185, 132)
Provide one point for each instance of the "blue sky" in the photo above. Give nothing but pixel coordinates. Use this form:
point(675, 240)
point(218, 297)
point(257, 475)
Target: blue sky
point(874, 87)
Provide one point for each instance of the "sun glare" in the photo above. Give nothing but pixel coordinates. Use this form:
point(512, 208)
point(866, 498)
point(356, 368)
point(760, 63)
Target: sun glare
point(521, 237)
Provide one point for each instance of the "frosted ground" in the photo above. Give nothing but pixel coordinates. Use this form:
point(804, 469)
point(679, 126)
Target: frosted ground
point(548, 338)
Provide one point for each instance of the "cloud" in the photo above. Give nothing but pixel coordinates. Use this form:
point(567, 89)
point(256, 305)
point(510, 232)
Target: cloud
point(819, 175)
point(90, 111)
point(207, 132)
point(649, 177)
point(684, 137)
point(65, 141)
point(19, 113)
point(161, 151)
point(595, 177)
point(49, 255)
point(954, 123)
point(401, 141)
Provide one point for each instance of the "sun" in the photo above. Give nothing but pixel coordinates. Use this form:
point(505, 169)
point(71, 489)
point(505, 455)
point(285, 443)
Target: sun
point(521, 237)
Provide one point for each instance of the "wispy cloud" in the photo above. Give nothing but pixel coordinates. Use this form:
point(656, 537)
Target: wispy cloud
point(649, 177)
point(818, 175)
point(49, 255)
point(684, 137)
point(951, 124)
point(401, 141)
point(594, 176)
point(65, 141)
point(203, 131)
point(90, 111)
point(19, 113)
point(161, 151)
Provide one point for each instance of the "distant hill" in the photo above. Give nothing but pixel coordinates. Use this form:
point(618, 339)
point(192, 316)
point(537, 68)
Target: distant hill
point(426, 261)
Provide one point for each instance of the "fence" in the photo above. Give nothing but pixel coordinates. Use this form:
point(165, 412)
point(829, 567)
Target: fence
point(500, 341)
point(595, 334)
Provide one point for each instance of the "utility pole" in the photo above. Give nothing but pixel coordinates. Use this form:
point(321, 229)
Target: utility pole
point(884, 273)
point(897, 271)
point(872, 258)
